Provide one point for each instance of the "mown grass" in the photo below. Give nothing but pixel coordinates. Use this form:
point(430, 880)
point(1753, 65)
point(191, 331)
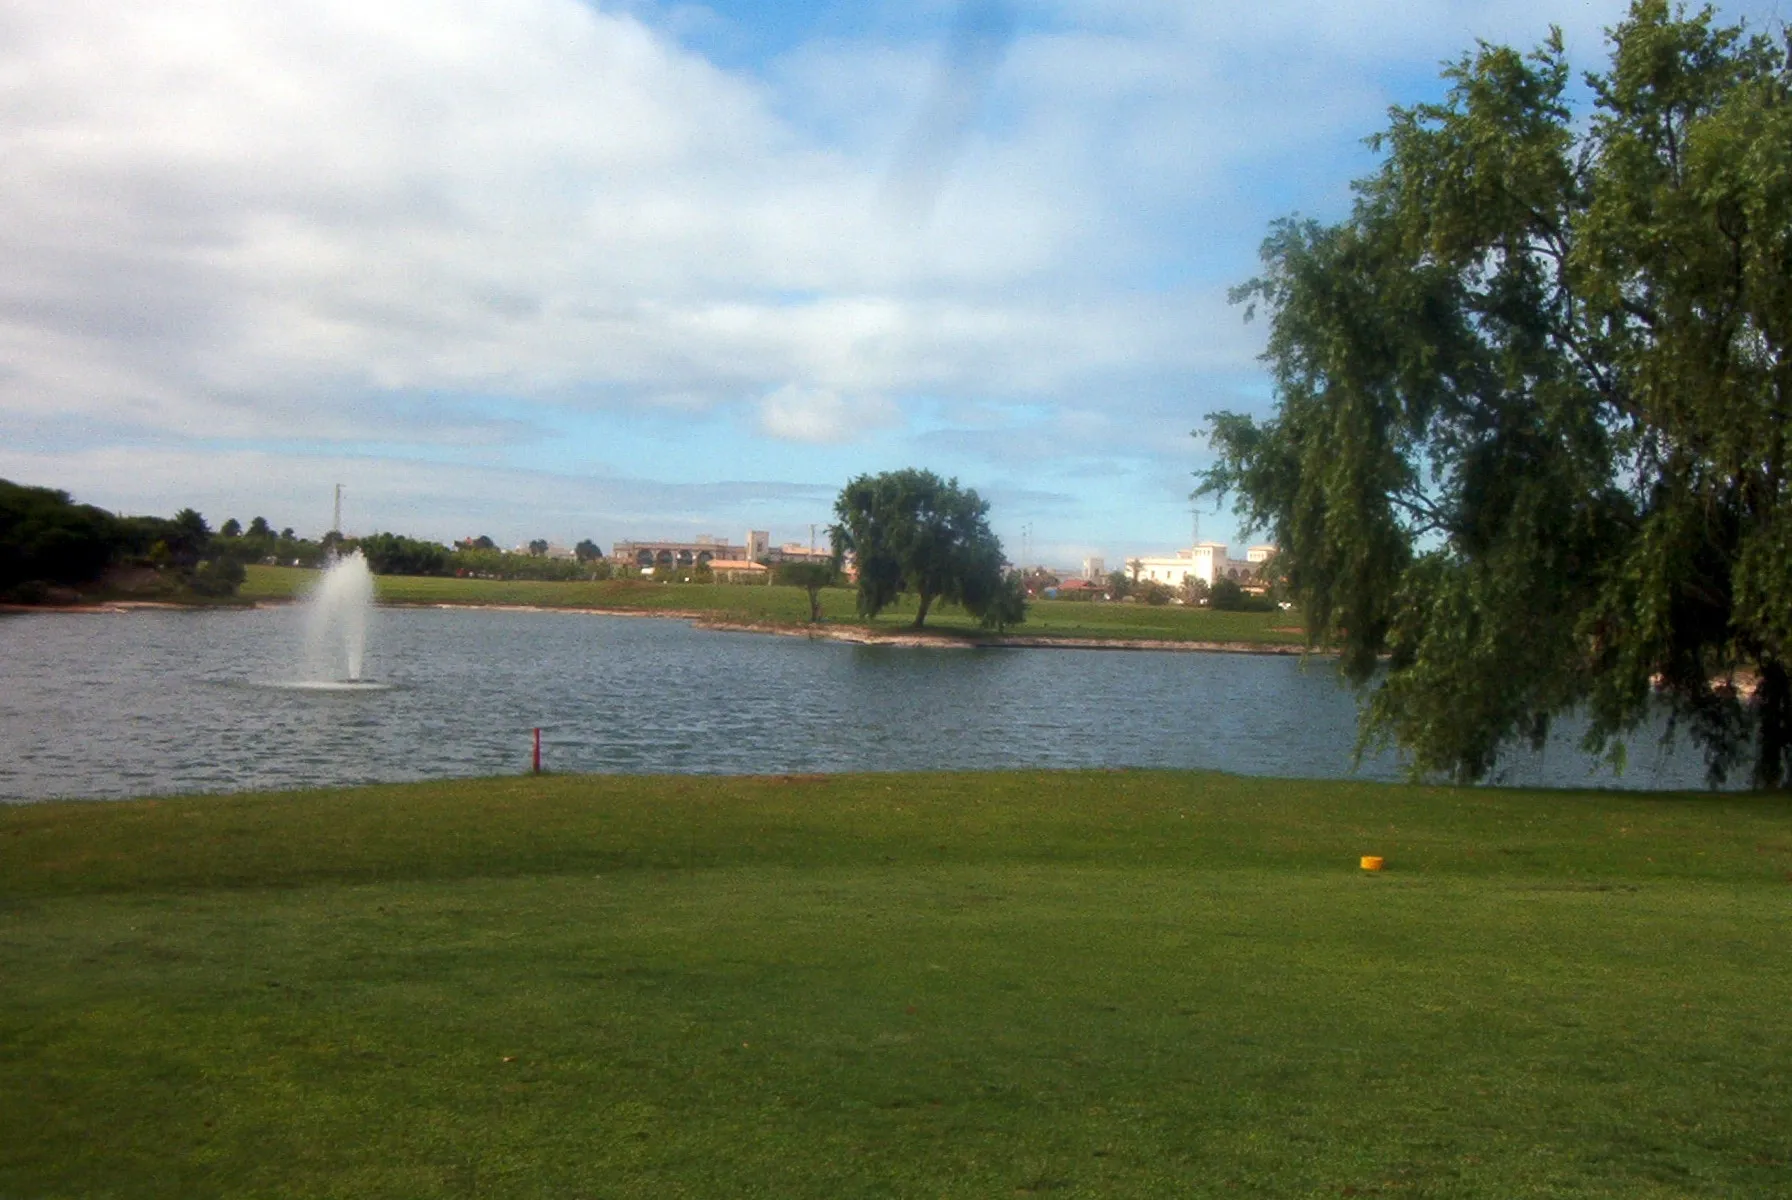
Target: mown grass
point(788, 606)
point(1101, 984)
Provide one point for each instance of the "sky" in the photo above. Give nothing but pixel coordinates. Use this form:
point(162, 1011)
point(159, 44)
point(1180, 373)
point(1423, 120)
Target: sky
point(563, 269)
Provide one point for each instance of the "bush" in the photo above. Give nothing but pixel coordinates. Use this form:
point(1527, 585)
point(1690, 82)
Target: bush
point(1229, 596)
point(1152, 592)
point(220, 576)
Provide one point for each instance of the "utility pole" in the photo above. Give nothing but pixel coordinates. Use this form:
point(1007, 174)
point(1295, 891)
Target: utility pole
point(336, 519)
point(1194, 512)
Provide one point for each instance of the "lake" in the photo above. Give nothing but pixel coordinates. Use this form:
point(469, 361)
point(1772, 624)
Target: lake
point(160, 701)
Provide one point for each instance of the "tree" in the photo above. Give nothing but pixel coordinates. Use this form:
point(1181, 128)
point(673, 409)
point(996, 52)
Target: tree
point(46, 538)
point(188, 538)
point(910, 531)
point(1227, 595)
point(259, 528)
point(587, 551)
point(219, 576)
point(1005, 603)
point(231, 528)
point(1533, 428)
point(392, 554)
point(1152, 592)
point(538, 547)
point(811, 577)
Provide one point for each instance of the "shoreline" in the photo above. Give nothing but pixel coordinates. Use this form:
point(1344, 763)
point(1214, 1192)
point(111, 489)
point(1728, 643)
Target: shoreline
point(900, 636)
point(117, 607)
point(852, 634)
point(896, 636)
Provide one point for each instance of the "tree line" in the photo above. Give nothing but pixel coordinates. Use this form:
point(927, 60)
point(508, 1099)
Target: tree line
point(53, 549)
point(909, 532)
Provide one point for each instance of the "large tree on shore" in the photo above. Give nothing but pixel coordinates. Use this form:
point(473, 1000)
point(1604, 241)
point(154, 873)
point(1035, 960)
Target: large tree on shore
point(46, 538)
point(1530, 450)
point(911, 531)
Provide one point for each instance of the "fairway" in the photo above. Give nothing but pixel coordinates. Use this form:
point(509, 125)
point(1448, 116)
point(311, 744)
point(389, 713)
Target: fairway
point(1076, 984)
point(788, 608)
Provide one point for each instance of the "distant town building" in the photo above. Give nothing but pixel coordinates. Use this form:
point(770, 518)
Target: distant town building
point(699, 551)
point(1095, 570)
point(799, 553)
point(554, 550)
point(705, 550)
point(1205, 562)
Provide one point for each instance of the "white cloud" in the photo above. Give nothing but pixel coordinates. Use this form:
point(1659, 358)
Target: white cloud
point(250, 220)
point(296, 224)
point(424, 499)
point(821, 416)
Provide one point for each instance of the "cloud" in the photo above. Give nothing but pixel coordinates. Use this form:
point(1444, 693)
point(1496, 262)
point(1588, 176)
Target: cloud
point(426, 499)
point(820, 416)
point(258, 220)
point(419, 233)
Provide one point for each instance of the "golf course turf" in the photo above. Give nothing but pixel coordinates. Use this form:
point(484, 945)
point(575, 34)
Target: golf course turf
point(1019, 983)
point(787, 608)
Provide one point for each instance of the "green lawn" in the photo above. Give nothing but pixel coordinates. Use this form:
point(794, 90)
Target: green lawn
point(790, 606)
point(1097, 984)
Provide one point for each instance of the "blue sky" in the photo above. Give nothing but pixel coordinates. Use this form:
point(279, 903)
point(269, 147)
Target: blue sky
point(550, 268)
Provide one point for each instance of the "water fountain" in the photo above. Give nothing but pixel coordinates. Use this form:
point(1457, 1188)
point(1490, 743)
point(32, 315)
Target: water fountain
point(336, 626)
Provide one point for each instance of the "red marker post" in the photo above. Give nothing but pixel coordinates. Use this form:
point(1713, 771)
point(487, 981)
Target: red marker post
point(538, 750)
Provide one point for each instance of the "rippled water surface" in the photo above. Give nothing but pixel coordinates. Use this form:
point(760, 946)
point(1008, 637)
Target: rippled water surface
point(153, 701)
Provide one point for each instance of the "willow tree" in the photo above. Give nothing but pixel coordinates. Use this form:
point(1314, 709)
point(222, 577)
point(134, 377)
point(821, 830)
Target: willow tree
point(1529, 451)
point(911, 531)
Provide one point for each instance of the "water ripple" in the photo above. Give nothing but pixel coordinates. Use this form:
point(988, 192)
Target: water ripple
point(160, 701)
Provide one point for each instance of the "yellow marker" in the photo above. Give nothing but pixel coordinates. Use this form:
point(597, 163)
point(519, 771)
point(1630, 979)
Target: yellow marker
point(1371, 862)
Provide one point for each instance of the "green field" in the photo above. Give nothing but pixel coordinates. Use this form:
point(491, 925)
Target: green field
point(787, 606)
point(1085, 984)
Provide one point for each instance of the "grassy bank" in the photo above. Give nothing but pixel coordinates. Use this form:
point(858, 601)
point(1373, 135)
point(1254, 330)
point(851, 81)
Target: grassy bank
point(1101, 984)
point(787, 606)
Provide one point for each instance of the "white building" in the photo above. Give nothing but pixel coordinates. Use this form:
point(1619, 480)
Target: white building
point(1205, 561)
point(1172, 570)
